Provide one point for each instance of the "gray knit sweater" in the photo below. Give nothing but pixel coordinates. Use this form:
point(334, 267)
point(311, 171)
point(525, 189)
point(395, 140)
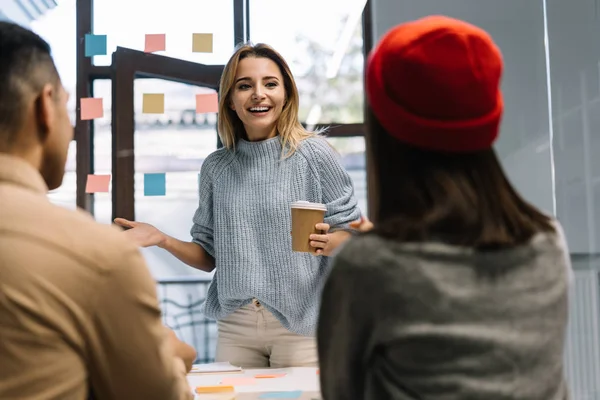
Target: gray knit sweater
point(420, 321)
point(244, 221)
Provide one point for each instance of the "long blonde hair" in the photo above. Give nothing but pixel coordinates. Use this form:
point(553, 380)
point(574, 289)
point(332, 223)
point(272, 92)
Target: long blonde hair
point(230, 126)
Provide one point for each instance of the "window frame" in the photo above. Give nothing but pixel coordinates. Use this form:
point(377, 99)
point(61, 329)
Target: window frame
point(128, 65)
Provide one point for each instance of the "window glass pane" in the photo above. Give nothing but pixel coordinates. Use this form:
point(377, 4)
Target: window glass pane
point(126, 22)
point(352, 152)
point(102, 141)
point(174, 143)
point(66, 194)
point(323, 45)
point(62, 42)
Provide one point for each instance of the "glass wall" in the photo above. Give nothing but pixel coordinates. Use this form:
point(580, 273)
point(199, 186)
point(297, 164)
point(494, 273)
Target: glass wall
point(324, 49)
point(63, 49)
point(171, 144)
point(574, 67)
point(177, 19)
point(549, 134)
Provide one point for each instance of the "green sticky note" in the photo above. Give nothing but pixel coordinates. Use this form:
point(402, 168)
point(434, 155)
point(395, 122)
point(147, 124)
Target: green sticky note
point(95, 45)
point(155, 184)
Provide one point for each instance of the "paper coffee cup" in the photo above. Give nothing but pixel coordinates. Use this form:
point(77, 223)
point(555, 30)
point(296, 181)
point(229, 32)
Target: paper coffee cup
point(305, 216)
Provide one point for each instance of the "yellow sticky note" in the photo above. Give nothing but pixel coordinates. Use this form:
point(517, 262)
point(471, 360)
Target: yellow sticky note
point(214, 389)
point(153, 103)
point(202, 43)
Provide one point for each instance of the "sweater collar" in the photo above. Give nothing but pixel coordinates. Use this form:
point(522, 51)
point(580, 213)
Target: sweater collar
point(268, 147)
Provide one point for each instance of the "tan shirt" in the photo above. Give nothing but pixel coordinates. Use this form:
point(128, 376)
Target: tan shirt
point(78, 306)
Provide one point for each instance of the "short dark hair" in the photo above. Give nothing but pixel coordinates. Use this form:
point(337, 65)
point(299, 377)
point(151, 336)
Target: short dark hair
point(26, 65)
point(462, 199)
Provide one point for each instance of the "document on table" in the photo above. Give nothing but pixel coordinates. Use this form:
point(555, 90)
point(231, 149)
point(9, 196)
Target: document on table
point(214, 368)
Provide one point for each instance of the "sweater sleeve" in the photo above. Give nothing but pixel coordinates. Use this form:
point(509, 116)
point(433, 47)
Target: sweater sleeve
point(203, 227)
point(346, 324)
point(336, 185)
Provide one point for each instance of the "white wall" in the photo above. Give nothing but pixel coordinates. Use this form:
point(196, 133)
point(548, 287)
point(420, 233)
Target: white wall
point(25, 12)
point(566, 168)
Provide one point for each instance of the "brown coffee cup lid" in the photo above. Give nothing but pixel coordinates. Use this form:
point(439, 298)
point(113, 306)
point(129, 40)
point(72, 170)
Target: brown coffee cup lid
point(307, 205)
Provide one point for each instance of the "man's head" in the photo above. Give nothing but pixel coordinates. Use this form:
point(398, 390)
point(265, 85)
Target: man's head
point(34, 122)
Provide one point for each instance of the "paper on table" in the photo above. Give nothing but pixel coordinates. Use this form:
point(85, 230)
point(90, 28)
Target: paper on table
point(214, 368)
point(281, 395)
point(268, 376)
point(238, 381)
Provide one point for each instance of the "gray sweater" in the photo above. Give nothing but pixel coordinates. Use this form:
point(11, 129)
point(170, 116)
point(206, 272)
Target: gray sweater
point(244, 221)
point(419, 321)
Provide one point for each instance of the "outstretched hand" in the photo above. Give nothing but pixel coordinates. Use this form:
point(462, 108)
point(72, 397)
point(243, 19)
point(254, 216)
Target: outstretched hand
point(141, 233)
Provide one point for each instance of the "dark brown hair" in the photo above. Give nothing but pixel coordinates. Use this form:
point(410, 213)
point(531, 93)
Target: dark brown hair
point(26, 66)
point(460, 199)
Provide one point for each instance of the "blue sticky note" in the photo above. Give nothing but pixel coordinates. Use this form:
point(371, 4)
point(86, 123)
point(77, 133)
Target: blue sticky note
point(95, 45)
point(281, 395)
point(155, 184)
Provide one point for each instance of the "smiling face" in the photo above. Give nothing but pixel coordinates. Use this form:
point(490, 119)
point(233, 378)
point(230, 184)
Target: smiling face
point(258, 97)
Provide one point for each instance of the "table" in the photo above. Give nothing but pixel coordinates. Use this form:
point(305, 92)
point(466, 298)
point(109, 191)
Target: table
point(305, 380)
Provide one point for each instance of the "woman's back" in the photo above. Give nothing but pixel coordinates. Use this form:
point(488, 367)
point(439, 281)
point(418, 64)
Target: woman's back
point(432, 321)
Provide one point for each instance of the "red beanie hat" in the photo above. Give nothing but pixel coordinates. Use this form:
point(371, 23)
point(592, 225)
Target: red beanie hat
point(434, 83)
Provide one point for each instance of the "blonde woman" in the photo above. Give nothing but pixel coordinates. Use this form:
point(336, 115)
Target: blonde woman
point(264, 296)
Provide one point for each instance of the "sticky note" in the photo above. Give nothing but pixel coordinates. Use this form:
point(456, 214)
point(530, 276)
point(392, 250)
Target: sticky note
point(207, 103)
point(95, 45)
point(202, 43)
point(97, 183)
point(155, 42)
point(238, 381)
point(269, 376)
point(153, 103)
point(281, 395)
point(91, 108)
point(155, 184)
point(214, 389)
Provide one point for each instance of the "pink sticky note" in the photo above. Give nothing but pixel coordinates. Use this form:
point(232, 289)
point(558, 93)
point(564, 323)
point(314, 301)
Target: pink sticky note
point(238, 381)
point(97, 183)
point(91, 108)
point(207, 103)
point(155, 42)
point(269, 376)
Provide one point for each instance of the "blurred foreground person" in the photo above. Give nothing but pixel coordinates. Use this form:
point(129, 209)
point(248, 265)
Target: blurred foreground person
point(78, 307)
point(460, 290)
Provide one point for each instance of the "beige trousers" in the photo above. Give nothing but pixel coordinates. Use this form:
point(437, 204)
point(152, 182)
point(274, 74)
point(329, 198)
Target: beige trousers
point(252, 337)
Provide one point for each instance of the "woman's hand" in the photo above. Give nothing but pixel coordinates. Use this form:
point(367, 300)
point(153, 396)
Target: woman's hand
point(325, 243)
point(362, 225)
point(320, 242)
point(142, 234)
